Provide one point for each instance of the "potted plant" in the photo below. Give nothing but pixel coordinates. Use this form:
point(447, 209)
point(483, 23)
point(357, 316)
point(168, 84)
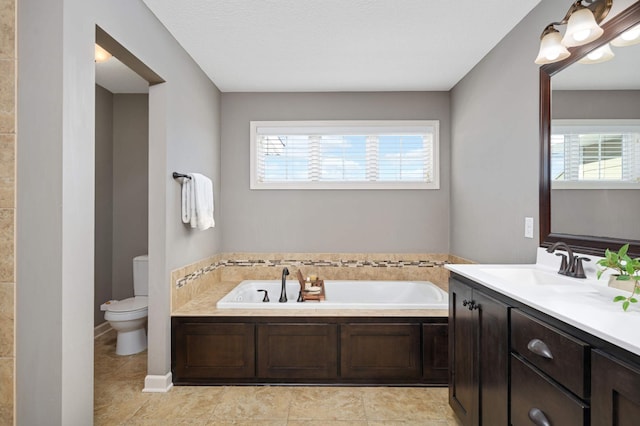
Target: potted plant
point(628, 271)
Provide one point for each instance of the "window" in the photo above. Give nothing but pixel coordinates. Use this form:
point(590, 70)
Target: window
point(591, 154)
point(344, 154)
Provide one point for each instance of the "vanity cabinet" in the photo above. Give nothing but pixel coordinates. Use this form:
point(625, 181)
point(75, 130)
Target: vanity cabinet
point(478, 356)
point(318, 350)
point(511, 364)
point(615, 385)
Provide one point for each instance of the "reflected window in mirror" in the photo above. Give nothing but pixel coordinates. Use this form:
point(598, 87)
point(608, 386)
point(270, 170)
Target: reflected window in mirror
point(595, 154)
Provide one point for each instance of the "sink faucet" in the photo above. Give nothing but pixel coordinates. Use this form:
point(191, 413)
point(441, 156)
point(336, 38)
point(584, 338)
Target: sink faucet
point(571, 267)
point(283, 291)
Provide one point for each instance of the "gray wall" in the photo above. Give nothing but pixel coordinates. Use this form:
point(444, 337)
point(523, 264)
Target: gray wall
point(55, 167)
point(130, 187)
point(599, 212)
point(495, 147)
point(122, 192)
point(103, 233)
point(366, 221)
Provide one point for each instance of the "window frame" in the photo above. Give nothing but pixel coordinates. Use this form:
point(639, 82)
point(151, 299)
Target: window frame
point(404, 126)
point(592, 124)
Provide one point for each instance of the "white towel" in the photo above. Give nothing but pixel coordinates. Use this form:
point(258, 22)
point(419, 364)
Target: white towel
point(200, 202)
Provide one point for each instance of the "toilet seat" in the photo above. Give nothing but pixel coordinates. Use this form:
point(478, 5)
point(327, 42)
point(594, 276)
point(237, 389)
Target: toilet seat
point(128, 309)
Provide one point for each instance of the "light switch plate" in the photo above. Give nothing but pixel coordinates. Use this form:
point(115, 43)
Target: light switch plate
point(528, 227)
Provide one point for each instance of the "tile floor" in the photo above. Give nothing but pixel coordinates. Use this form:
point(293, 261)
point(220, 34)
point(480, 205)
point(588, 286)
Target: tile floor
point(119, 401)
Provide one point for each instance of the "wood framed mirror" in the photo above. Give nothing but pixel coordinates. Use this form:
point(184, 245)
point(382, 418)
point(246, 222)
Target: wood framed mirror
point(590, 244)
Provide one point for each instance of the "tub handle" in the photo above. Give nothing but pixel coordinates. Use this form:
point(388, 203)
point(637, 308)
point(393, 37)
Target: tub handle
point(266, 295)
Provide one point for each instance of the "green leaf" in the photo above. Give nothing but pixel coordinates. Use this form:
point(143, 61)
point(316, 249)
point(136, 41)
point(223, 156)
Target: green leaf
point(633, 300)
point(625, 305)
point(623, 250)
point(623, 278)
point(619, 298)
point(599, 273)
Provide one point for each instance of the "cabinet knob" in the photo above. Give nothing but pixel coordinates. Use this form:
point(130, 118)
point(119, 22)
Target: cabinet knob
point(538, 418)
point(539, 348)
point(470, 304)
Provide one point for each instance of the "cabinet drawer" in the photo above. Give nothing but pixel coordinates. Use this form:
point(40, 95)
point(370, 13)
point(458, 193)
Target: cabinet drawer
point(532, 394)
point(559, 355)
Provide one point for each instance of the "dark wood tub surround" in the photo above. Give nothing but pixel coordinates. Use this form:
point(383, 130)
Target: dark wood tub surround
point(309, 350)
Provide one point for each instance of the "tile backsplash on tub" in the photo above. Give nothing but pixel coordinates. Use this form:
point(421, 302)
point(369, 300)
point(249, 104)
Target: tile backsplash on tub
point(194, 279)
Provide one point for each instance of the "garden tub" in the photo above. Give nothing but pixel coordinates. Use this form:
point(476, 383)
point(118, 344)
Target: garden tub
point(339, 294)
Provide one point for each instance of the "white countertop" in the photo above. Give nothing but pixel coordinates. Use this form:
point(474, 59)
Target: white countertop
point(586, 304)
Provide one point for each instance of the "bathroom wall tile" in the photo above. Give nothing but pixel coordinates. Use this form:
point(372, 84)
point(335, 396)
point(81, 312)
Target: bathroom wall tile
point(7, 29)
point(6, 320)
point(7, 170)
point(7, 245)
point(7, 96)
point(6, 390)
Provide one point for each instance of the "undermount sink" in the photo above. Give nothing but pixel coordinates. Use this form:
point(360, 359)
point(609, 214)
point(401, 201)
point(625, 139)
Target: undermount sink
point(536, 277)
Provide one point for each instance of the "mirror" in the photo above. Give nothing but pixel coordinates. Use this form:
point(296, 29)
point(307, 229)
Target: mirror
point(590, 220)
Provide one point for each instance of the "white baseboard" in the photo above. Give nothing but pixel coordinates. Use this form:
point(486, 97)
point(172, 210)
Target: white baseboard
point(101, 329)
point(156, 383)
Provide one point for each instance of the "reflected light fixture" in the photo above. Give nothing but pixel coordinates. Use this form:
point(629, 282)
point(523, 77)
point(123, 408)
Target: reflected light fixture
point(601, 54)
point(582, 21)
point(628, 38)
point(101, 55)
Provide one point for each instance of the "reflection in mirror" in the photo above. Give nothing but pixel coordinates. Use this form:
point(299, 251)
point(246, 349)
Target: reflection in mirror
point(608, 92)
point(595, 146)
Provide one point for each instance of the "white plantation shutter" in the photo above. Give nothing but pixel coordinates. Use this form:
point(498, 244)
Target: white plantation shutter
point(595, 153)
point(344, 155)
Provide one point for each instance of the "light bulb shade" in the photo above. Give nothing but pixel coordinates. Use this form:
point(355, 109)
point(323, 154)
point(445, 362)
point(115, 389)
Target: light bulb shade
point(551, 49)
point(601, 54)
point(582, 28)
point(628, 38)
point(101, 55)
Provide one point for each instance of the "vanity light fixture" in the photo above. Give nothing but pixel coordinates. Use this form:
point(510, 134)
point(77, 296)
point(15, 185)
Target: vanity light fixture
point(582, 21)
point(101, 55)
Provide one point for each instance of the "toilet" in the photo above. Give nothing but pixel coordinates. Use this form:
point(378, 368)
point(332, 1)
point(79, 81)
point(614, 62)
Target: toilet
point(129, 316)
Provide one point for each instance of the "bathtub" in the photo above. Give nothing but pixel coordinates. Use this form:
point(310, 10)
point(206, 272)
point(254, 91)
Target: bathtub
point(339, 295)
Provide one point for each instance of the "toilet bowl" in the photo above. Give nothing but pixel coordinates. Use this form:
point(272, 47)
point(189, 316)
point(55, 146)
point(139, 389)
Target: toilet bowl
point(129, 316)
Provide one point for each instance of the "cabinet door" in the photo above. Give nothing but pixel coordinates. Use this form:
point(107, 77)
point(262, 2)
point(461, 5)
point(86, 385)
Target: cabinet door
point(463, 379)
point(380, 351)
point(212, 350)
point(303, 351)
point(493, 359)
point(615, 392)
point(435, 357)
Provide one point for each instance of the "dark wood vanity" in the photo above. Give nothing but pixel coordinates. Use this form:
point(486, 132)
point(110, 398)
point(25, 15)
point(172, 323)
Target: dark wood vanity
point(314, 350)
point(511, 364)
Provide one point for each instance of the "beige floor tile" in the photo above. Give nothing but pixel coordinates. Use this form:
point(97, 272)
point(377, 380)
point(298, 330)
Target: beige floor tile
point(247, 423)
point(402, 404)
point(136, 421)
point(254, 403)
point(320, 403)
point(327, 423)
point(182, 402)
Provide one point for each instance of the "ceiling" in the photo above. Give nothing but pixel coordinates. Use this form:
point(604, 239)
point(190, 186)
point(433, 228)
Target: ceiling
point(338, 45)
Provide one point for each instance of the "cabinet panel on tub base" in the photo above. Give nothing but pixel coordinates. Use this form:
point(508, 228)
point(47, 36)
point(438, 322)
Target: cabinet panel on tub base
point(309, 350)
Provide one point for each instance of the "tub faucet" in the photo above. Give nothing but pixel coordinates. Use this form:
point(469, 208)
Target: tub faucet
point(571, 267)
point(283, 291)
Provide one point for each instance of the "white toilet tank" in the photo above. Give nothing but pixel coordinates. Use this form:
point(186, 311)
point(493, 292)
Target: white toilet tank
point(141, 275)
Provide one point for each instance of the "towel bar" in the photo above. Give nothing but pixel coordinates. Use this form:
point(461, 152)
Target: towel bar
point(177, 175)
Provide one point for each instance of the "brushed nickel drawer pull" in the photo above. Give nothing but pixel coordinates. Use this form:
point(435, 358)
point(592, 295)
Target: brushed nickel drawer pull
point(540, 348)
point(538, 418)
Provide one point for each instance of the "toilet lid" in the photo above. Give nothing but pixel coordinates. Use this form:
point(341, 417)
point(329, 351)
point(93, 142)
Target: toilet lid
point(130, 304)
